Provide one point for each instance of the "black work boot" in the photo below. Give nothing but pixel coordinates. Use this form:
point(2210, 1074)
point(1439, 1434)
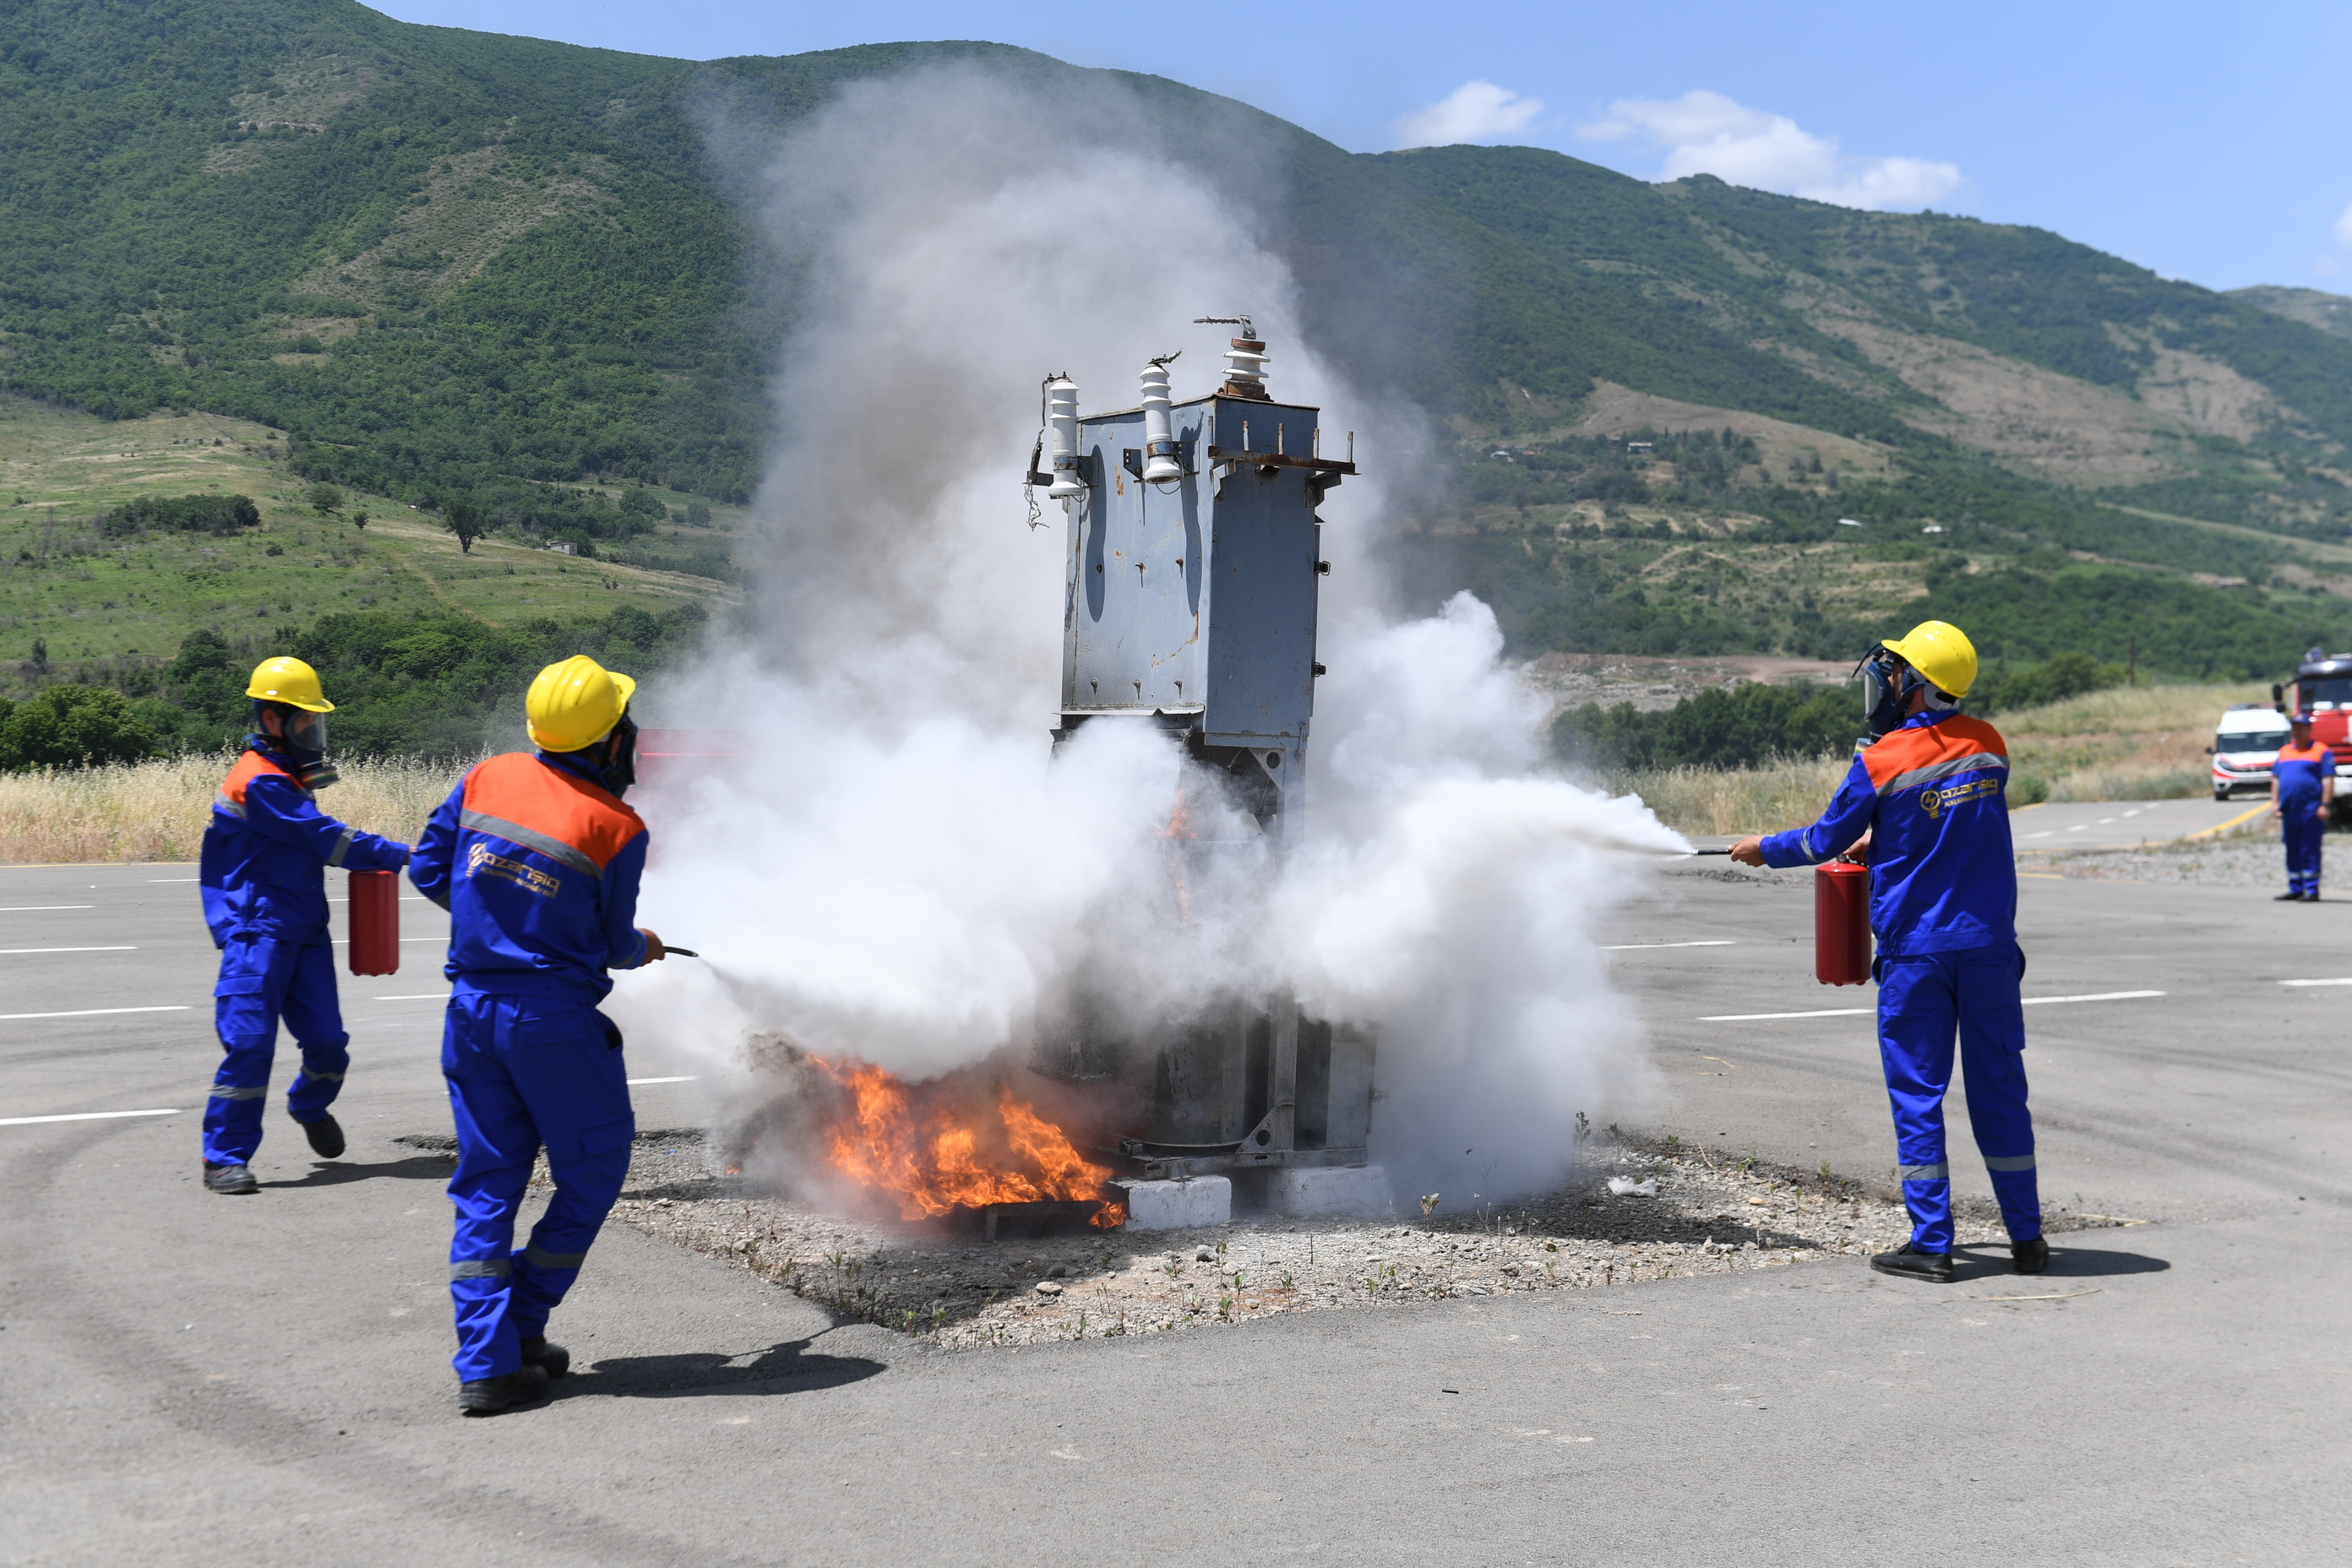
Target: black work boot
point(553, 1360)
point(2289, 897)
point(2031, 1256)
point(490, 1396)
point(326, 1136)
point(230, 1177)
point(1913, 1263)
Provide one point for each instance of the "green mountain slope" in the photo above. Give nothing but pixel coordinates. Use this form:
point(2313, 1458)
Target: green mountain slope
point(453, 266)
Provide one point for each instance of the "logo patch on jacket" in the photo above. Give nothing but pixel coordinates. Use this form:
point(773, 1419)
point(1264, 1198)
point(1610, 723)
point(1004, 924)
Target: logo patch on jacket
point(483, 861)
point(1935, 801)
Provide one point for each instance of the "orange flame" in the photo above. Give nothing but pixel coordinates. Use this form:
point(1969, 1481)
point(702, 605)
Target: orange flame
point(923, 1145)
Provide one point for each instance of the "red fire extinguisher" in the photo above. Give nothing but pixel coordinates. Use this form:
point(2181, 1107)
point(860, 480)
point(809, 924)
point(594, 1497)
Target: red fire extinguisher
point(1841, 923)
point(375, 922)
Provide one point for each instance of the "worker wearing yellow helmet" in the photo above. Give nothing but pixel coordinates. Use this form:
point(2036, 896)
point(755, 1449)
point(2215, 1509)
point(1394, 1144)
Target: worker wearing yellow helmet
point(537, 859)
point(262, 874)
point(1926, 792)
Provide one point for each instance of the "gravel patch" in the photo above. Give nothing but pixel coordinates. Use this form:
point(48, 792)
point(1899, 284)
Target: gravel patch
point(1710, 1215)
point(2249, 861)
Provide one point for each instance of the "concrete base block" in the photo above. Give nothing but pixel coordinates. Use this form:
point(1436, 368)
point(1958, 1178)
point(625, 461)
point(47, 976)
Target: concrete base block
point(1179, 1205)
point(1358, 1192)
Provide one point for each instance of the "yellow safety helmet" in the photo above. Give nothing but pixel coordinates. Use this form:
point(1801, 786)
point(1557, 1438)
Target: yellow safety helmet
point(1941, 652)
point(575, 704)
point(290, 681)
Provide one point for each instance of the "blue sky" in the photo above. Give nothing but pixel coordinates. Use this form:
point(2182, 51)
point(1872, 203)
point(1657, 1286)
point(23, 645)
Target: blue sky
point(2212, 143)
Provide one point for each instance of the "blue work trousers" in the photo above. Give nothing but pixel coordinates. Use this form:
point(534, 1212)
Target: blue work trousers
point(527, 1071)
point(263, 979)
point(1924, 999)
point(2304, 828)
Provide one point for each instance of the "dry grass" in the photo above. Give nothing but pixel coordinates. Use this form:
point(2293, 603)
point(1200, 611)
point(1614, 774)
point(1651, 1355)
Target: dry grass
point(2142, 742)
point(1712, 801)
point(157, 810)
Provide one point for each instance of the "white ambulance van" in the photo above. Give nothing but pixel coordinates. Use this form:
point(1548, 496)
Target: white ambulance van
point(2248, 742)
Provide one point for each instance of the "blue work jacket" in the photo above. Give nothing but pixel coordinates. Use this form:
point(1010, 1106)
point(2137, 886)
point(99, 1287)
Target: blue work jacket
point(1933, 797)
point(2298, 770)
point(263, 866)
point(538, 865)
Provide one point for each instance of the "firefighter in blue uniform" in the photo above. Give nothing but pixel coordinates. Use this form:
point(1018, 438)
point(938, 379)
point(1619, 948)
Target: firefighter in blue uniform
point(1929, 791)
point(537, 860)
point(262, 878)
point(2303, 794)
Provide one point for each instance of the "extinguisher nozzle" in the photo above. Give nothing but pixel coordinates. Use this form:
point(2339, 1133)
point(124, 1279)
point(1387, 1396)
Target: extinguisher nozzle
point(679, 951)
point(1726, 850)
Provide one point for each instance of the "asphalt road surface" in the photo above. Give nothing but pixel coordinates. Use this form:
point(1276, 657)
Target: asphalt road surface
point(191, 1379)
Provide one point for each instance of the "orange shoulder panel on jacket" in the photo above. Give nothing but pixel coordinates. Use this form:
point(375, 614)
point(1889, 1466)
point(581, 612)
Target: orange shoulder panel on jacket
point(250, 766)
point(2312, 754)
point(517, 787)
point(1907, 751)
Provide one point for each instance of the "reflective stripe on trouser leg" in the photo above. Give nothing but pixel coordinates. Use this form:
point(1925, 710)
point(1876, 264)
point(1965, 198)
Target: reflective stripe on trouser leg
point(1918, 1017)
point(231, 1133)
point(1993, 1075)
point(578, 1097)
point(315, 1018)
point(496, 1147)
point(2303, 832)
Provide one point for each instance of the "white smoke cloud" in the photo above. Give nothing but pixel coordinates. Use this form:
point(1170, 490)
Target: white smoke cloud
point(1474, 111)
point(1706, 133)
point(906, 872)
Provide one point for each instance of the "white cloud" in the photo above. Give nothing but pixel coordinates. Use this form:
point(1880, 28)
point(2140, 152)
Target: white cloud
point(1705, 133)
point(1474, 111)
point(2343, 229)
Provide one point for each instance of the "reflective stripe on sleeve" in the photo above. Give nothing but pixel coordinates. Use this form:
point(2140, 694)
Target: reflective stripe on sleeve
point(530, 838)
point(2008, 1162)
point(1939, 1172)
point(480, 1268)
point(541, 1259)
point(1971, 763)
point(221, 801)
point(342, 847)
point(232, 1091)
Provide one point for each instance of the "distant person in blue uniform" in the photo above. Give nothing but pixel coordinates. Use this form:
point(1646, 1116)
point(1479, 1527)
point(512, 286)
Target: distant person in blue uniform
point(1928, 794)
point(263, 874)
point(2303, 795)
point(537, 860)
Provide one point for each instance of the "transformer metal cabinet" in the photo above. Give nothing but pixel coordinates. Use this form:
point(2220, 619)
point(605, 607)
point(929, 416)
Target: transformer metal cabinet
point(1192, 603)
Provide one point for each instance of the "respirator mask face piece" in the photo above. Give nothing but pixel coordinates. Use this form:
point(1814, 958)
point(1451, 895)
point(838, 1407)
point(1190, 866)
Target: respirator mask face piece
point(1887, 686)
point(622, 771)
point(302, 737)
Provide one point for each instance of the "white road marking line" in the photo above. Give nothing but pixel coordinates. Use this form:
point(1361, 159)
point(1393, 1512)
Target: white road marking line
point(2043, 834)
point(2078, 827)
point(32, 909)
point(95, 1012)
point(1634, 946)
point(2347, 981)
point(2105, 820)
point(1857, 1011)
point(68, 949)
point(689, 1079)
point(79, 1116)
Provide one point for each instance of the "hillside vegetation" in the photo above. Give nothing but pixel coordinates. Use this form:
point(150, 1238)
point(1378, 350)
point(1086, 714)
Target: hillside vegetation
point(507, 280)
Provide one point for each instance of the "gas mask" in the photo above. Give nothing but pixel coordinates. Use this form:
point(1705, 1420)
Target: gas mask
point(302, 740)
point(1887, 685)
point(622, 771)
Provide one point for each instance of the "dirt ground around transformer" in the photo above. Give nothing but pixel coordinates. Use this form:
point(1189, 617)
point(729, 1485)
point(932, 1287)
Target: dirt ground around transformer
point(1709, 1214)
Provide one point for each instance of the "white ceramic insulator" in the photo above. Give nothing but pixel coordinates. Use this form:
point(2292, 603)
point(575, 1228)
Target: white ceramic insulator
point(1246, 366)
point(1159, 435)
point(1062, 421)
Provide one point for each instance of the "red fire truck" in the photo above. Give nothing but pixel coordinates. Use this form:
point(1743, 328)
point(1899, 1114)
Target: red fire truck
point(2322, 688)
